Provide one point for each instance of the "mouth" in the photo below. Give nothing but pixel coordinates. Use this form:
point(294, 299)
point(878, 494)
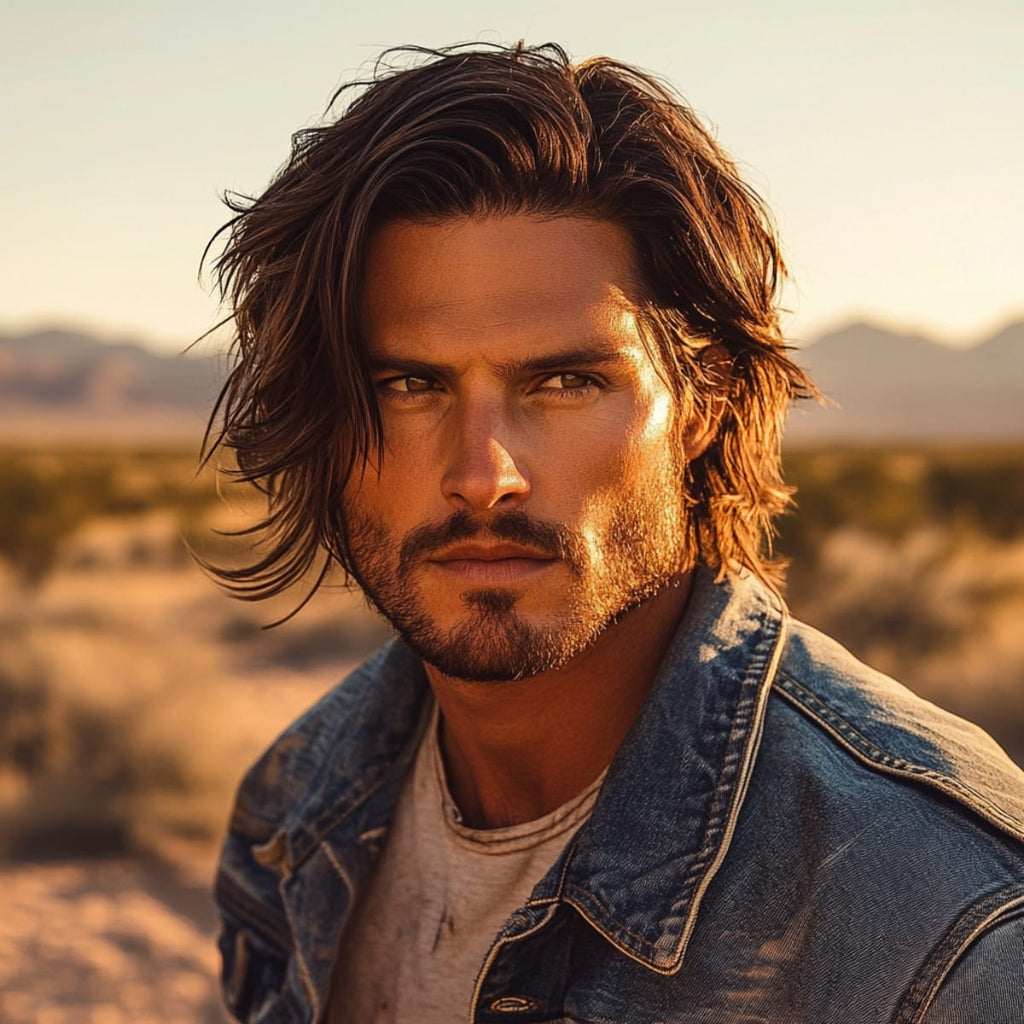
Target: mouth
point(494, 564)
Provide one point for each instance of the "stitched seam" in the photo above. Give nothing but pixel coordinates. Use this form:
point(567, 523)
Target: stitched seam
point(336, 864)
point(492, 954)
point(586, 897)
point(861, 746)
point(300, 962)
point(735, 746)
point(746, 742)
point(648, 960)
point(308, 838)
point(971, 925)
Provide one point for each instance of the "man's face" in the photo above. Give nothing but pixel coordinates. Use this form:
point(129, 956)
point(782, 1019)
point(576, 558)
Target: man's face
point(531, 487)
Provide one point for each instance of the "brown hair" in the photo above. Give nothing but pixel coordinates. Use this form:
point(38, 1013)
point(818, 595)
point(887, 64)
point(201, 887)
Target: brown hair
point(474, 130)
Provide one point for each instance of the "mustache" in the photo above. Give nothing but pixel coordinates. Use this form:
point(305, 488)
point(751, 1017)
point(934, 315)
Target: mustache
point(552, 539)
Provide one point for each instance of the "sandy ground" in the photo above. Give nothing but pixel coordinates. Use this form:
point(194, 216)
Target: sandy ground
point(106, 942)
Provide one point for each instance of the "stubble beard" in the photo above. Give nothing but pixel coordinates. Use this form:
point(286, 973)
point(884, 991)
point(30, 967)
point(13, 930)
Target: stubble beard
point(640, 549)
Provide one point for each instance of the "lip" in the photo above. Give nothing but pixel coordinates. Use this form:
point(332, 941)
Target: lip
point(489, 553)
point(491, 563)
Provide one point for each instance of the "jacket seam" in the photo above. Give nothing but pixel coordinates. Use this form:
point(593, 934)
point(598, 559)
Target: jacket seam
point(301, 966)
point(496, 947)
point(314, 835)
point(867, 751)
point(745, 745)
point(969, 927)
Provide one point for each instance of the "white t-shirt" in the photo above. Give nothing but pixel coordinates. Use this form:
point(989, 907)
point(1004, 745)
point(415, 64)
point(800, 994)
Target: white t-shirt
point(440, 894)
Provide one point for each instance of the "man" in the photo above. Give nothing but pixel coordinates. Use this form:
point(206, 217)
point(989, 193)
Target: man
point(508, 354)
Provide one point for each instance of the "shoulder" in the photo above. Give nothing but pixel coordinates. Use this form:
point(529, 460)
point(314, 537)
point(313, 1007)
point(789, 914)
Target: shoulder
point(335, 769)
point(907, 817)
point(885, 728)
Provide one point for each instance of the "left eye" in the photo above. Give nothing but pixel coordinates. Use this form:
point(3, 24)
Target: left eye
point(566, 382)
point(408, 384)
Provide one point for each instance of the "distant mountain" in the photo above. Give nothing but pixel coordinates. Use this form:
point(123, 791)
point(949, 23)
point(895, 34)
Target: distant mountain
point(63, 368)
point(65, 385)
point(883, 386)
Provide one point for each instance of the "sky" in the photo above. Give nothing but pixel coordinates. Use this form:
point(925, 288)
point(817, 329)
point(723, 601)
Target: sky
point(886, 136)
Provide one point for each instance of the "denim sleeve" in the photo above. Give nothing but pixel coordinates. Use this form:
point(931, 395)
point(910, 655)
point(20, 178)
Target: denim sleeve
point(986, 986)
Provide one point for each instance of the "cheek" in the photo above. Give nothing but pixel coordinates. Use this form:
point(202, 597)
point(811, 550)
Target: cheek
point(637, 464)
point(634, 445)
point(656, 450)
point(658, 421)
point(375, 496)
point(408, 441)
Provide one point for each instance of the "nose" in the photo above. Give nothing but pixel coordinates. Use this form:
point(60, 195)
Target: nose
point(481, 472)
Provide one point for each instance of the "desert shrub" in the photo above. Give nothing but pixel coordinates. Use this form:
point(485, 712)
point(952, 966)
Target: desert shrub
point(985, 493)
point(114, 673)
point(40, 508)
point(117, 727)
point(914, 560)
point(892, 492)
point(48, 495)
point(106, 745)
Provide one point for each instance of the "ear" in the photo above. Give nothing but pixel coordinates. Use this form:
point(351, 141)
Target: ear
point(700, 432)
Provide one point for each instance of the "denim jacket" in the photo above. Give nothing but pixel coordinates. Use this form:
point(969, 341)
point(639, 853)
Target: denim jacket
point(784, 836)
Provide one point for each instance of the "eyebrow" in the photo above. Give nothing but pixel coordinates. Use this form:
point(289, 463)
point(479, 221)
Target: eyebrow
point(582, 356)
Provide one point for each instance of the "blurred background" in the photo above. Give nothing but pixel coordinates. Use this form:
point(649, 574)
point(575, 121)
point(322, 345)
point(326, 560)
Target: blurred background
point(133, 693)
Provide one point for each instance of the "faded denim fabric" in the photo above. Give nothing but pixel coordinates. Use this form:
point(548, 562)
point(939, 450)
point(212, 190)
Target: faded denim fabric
point(785, 836)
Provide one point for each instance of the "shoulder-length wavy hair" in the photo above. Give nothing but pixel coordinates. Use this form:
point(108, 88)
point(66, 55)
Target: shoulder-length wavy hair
point(490, 130)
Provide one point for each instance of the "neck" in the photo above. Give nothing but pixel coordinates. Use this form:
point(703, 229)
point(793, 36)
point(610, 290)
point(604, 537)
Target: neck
point(515, 751)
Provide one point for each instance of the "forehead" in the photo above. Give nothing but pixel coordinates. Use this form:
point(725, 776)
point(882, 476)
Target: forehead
point(488, 278)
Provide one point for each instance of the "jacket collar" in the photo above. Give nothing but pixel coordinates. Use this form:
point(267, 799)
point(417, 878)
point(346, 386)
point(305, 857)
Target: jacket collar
point(665, 816)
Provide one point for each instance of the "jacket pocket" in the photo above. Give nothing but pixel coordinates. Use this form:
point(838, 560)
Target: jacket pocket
point(255, 949)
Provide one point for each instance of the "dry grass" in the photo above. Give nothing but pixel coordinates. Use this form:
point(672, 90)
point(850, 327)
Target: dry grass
point(134, 693)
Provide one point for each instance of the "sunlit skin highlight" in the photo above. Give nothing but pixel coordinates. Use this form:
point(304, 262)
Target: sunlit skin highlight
point(518, 396)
